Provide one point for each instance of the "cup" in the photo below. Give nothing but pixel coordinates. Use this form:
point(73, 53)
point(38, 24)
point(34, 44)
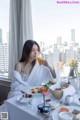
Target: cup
point(68, 99)
point(77, 86)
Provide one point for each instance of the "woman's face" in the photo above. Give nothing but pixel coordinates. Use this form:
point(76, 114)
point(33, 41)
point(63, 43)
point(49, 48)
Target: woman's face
point(34, 52)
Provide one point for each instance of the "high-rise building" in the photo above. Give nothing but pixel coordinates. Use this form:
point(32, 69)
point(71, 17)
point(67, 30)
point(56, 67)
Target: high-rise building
point(56, 53)
point(3, 58)
point(0, 35)
point(59, 40)
point(73, 35)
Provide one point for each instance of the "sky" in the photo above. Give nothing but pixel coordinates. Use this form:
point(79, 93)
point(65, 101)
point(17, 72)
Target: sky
point(4, 17)
point(51, 20)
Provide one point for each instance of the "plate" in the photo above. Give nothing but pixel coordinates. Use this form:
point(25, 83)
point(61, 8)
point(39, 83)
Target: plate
point(55, 113)
point(65, 116)
point(54, 105)
point(49, 83)
point(53, 87)
point(76, 99)
point(36, 90)
point(21, 99)
point(62, 86)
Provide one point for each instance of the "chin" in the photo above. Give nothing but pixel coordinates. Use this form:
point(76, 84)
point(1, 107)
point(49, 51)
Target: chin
point(34, 58)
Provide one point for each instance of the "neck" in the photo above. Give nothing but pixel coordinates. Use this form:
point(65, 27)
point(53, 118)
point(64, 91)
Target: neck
point(30, 61)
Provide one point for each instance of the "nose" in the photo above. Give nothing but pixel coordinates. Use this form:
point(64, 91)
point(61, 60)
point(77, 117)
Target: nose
point(36, 51)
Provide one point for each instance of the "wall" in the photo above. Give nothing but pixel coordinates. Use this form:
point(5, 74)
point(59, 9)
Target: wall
point(4, 89)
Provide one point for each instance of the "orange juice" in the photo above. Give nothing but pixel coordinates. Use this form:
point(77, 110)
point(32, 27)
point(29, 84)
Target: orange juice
point(39, 59)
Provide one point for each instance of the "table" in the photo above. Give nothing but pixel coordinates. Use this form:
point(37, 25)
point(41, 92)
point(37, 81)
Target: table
point(18, 111)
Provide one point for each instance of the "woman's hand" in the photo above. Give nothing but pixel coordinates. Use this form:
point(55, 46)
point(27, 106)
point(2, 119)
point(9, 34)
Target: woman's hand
point(45, 63)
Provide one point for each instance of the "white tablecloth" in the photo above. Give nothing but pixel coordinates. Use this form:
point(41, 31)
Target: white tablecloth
point(21, 111)
point(18, 111)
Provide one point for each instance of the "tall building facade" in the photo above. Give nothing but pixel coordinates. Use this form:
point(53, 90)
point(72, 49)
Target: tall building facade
point(73, 35)
point(59, 40)
point(3, 59)
point(0, 35)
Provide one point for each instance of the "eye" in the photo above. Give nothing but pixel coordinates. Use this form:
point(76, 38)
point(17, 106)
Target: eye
point(35, 50)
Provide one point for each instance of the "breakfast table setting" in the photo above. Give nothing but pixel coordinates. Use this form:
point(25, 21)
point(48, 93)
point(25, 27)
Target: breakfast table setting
point(53, 100)
point(50, 101)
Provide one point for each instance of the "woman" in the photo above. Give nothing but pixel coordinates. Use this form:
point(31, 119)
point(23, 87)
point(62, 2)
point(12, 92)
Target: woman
point(28, 71)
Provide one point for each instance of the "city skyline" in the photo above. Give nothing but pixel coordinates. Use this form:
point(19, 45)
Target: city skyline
point(4, 18)
point(51, 20)
point(72, 37)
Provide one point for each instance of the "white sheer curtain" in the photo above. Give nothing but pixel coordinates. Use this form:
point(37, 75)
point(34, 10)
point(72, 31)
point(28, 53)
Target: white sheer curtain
point(20, 29)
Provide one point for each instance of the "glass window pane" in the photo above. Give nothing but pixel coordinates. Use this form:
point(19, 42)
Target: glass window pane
point(56, 26)
point(4, 37)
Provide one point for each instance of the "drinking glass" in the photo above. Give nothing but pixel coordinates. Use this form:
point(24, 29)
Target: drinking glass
point(77, 86)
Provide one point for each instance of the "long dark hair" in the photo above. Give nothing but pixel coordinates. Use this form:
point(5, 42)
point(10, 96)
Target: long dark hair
point(27, 50)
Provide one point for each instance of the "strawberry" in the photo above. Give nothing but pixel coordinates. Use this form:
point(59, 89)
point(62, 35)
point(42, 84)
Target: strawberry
point(26, 95)
point(44, 91)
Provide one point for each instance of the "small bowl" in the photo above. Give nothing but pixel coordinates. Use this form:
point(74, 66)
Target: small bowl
point(43, 108)
point(68, 99)
point(65, 116)
point(57, 93)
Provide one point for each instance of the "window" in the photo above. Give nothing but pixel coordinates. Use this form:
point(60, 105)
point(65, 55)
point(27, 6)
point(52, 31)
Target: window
point(4, 37)
point(56, 27)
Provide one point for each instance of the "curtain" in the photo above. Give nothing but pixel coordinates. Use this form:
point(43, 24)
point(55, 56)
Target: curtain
point(20, 29)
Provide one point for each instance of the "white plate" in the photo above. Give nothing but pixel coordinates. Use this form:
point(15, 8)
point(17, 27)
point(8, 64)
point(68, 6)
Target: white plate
point(76, 99)
point(54, 104)
point(53, 87)
point(34, 90)
point(55, 113)
point(21, 99)
point(65, 116)
point(48, 83)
